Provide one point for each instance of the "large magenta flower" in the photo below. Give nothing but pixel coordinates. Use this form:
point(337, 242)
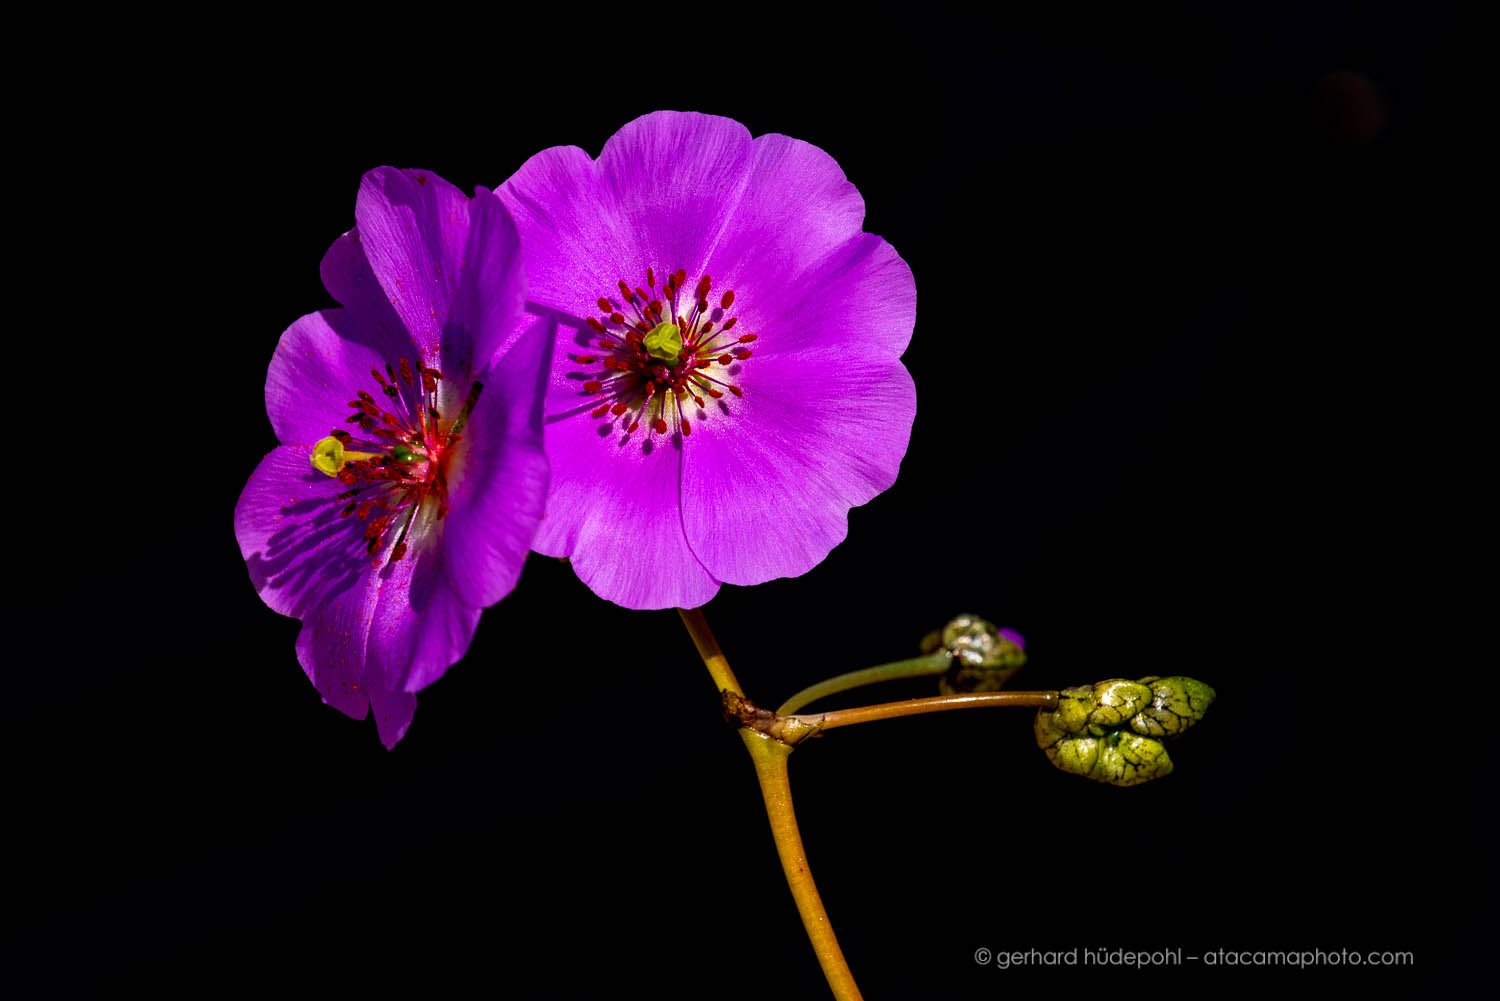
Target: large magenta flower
point(411, 474)
point(728, 380)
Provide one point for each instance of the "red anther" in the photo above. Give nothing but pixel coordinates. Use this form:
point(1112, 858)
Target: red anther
point(748, 338)
point(364, 509)
point(705, 363)
point(642, 293)
point(406, 375)
point(604, 305)
point(727, 300)
point(706, 327)
point(742, 354)
point(617, 318)
point(596, 325)
point(725, 359)
point(341, 435)
point(612, 363)
point(660, 426)
point(625, 291)
point(600, 410)
point(650, 278)
point(698, 400)
point(704, 284)
point(585, 359)
point(348, 509)
point(687, 427)
point(731, 322)
point(429, 384)
point(716, 394)
point(378, 377)
point(347, 477)
point(363, 396)
point(737, 391)
point(594, 385)
point(400, 550)
point(633, 426)
point(679, 277)
point(618, 409)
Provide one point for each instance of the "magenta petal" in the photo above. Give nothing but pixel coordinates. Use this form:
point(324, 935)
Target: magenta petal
point(766, 489)
point(313, 375)
point(300, 553)
point(859, 300)
point(658, 197)
point(500, 496)
point(414, 228)
point(492, 290)
point(798, 210)
point(613, 510)
point(417, 626)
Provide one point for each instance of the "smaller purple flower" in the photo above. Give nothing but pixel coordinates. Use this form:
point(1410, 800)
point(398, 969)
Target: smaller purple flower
point(411, 476)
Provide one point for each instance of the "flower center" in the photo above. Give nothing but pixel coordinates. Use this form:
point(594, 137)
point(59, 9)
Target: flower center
point(398, 459)
point(659, 351)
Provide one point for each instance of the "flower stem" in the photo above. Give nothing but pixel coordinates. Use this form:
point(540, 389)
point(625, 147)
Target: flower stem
point(708, 649)
point(917, 667)
point(769, 757)
point(936, 704)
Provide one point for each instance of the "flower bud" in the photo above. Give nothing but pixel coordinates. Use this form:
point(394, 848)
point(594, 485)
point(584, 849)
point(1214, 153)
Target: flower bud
point(1089, 731)
point(984, 657)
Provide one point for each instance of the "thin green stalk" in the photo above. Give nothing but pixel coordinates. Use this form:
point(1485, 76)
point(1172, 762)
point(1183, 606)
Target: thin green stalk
point(918, 667)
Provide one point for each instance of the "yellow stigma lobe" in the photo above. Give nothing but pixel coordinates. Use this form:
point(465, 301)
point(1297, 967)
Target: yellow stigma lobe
point(329, 456)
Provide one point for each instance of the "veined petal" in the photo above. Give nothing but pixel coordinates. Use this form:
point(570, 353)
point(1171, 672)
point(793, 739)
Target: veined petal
point(860, 299)
point(414, 229)
point(498, 497)
point(658, 197)
point(492, 287)
point(766, 489)
point(314, 373)
point(797, 210)
point(613, 510)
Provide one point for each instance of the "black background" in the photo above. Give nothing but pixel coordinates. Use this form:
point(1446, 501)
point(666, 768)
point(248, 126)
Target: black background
point(1180, 390)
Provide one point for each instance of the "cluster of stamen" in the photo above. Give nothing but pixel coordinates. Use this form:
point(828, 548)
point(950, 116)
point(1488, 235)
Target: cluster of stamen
point(394, 461)
point(660, 349)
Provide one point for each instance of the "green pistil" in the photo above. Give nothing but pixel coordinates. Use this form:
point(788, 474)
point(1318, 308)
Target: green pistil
point(664, 343)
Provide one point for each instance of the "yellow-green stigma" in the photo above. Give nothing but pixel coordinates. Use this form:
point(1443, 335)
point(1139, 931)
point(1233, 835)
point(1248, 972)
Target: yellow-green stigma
point(329, 456)
point(664, 343)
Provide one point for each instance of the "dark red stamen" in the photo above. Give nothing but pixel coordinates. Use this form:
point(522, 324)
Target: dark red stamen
point(637, 384)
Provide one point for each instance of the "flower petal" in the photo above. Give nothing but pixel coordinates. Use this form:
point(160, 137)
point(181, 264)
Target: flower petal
point(797, 210)
point(659, 197)
point(613, 510)
point(304, 563)
point(414, 228)
point(766, 488)
point(417, 627)
point(492, 289)
point(497, 501)
point(318, 366)
point(860, 299)
point(347, 277)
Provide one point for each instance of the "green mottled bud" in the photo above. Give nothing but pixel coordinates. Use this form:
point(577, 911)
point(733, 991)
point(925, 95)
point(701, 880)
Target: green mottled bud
point(664, 343)
point(984, 657)
point(1176, 704)
point(1121, 759)
point(1088, 733)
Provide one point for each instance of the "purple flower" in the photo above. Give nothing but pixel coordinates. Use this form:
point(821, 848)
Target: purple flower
point(728, 380)
point(411, 474)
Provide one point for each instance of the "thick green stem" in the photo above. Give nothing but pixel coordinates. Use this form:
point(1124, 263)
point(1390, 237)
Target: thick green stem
point(769, 757)
point(917, 667)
